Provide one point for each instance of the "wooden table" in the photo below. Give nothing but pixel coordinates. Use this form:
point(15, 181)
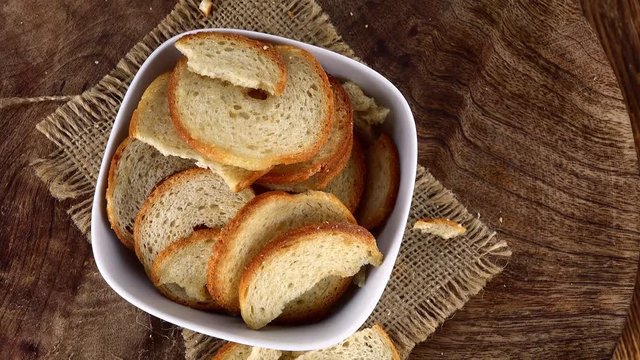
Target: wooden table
point(519, 113)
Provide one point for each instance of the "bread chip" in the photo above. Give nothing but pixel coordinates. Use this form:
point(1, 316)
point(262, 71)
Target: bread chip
point(443, 228)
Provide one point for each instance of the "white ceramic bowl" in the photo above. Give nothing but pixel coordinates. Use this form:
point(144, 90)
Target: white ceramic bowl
point(122, 271)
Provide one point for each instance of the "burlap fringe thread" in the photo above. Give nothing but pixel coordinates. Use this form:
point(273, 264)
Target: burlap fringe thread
point(447, 272)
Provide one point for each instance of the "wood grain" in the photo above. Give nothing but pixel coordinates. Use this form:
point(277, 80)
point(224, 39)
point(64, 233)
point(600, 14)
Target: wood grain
point(618, 23)
point(519, 113)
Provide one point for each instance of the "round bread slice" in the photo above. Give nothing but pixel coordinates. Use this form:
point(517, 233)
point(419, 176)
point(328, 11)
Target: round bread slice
point(186, 200)
point(336, 146)
point(265, 217)
point(383, 180)
point(293, 263)
point(235, 58)
point(180, 271)
point(348, 186)
point(367, 344)
point(235, 126)
point(151, 123)
point(234, 351)
point(135, 169)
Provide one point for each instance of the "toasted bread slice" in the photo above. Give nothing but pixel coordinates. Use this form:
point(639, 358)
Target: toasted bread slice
point(135, 169)
point(383, 180)
point(316, 302)
point(188, 199)
point(348, 186)
point(234, 126)
point(367, 114)
point(151, 123)
point(297, 260)
point(233, 351)
point(319, 180)
point(335, 147)
point(368, 344)
point(255, 225)
point(235, 58)
point(443, 228)
point(180, 270)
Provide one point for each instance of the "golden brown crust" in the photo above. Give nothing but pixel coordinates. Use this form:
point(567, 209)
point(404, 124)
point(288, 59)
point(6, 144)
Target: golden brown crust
point(250, 180)
point(226, 350)
point(387, 339)
point(224, 156)
point(360, 175)
point(372, 220)
point(158, 191)
point(228, 232)
point(295, 236)
point(196, 236)
point(123, 236)
point(318, 314)
point(296, 173)
point(133, 124)
point(267, 49)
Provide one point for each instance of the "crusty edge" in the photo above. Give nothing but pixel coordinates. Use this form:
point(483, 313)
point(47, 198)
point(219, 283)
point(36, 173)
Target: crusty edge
point(158, 191)
point(223, 156)
point(218, 286)
point(226, 350)
point(319, 313)
point(249, 181)
point(341, 100)
point(295, 236)
point(387, 340)
point(196, 236)
point(376, 219)
point(361, 175)
point(122, 235)
point(133, 124)
point(267, 48)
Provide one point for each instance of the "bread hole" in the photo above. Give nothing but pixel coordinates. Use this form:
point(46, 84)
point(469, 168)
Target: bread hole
point(227, 49)
point(244, 115)
point(232, 115)
point(200, 227)
point(314, 87)
point(257, 94)
point(237, 107)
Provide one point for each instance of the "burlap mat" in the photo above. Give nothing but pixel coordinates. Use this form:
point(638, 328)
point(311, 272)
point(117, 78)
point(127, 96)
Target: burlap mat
point(432, 278)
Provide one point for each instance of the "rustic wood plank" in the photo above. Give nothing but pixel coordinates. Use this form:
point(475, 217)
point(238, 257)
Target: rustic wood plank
point(46, 267)
point(519, 113)
point(618, 28)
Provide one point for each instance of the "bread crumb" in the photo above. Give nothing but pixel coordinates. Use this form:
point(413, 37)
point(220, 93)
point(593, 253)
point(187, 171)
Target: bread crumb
point(205, 7)
point(500, 219)
point(441, 227)
point(291, 14)
point(350, 13)
point(366, 26)
point(96, 62)
point(265, 47)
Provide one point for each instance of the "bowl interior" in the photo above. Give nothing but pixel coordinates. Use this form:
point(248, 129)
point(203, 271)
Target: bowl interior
point(122, 271)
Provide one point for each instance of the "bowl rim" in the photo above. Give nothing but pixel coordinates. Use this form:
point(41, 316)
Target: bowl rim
point(406, 189)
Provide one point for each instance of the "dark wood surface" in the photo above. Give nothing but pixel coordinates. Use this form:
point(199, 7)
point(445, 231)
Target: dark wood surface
point(519, 113)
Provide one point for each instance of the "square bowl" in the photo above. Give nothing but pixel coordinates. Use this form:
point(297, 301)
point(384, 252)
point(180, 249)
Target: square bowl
point(122, 271)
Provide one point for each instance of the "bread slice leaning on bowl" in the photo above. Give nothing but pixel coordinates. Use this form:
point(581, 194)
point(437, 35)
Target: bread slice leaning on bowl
point(134, 171)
